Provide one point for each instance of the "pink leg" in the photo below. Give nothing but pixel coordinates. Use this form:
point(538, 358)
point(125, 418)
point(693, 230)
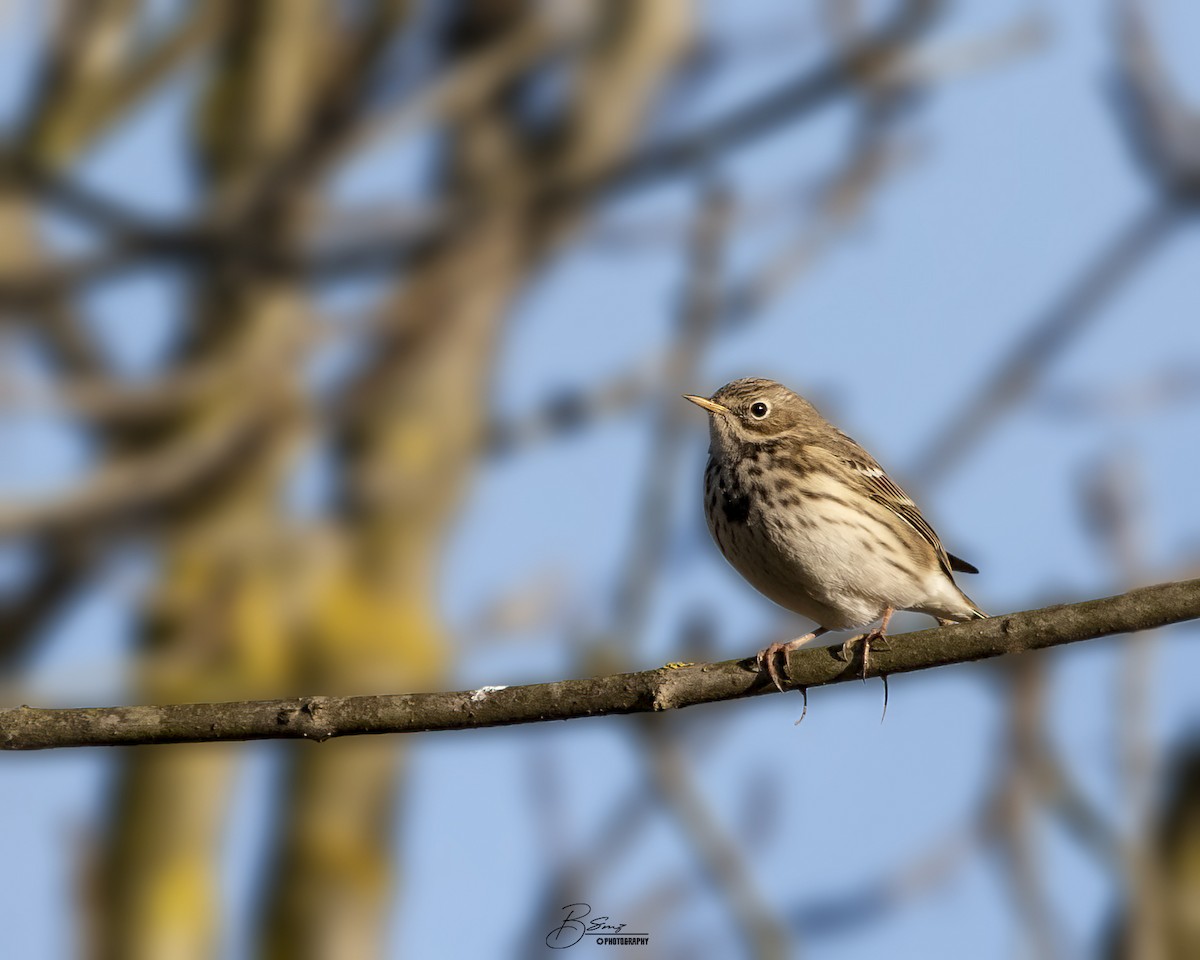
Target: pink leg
point(769, 656)
point(872, 636)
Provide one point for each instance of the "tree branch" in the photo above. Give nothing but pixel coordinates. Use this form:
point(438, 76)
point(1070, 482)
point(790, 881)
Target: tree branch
point(138, 241)
point(665, 688)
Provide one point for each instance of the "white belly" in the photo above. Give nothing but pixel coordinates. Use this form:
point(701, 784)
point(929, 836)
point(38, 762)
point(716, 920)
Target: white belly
point(830, 563)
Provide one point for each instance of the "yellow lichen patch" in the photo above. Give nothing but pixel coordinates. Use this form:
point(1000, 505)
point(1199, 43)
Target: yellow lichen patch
point(263, 625)
point(181, 907)
point(381, 638)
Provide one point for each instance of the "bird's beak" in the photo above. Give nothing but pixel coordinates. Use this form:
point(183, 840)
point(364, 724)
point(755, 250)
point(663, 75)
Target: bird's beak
point(711, 405)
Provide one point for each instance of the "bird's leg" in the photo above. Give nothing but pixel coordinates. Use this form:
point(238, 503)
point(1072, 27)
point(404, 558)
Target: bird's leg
point(877, 636)
point(769, 655)
point(880, 642)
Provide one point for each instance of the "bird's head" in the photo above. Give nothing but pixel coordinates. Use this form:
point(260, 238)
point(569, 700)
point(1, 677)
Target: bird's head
point(753, 410)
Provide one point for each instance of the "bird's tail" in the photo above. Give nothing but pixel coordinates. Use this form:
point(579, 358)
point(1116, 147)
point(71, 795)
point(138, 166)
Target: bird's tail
point(974, 613)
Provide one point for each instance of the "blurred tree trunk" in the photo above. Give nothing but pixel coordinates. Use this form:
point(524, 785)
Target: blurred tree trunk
point(410, 444)
point(218, 621)
point(244, 607)
point(1177, 850)
point(1175, 859)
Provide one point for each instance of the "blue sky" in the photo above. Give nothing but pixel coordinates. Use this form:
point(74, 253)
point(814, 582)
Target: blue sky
point(1022, 176)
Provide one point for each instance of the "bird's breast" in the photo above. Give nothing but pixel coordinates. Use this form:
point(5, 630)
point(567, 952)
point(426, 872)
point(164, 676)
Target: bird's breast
point(793, 540)
point(727, 497)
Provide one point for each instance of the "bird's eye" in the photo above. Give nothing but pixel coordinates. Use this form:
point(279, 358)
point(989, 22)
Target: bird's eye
point(758, 410)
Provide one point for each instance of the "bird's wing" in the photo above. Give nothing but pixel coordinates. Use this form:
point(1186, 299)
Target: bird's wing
point(884, 490)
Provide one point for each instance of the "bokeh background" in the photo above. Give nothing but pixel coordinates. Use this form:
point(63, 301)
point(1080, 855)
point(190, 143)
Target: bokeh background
point(341, 350)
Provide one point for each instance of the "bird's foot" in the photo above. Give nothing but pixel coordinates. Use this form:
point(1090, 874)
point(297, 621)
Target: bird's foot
point(876, 639)
point(879, 641)
point(875, 636)
point(770, 656)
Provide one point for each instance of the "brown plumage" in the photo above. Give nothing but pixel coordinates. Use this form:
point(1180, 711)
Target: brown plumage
point(812, 521)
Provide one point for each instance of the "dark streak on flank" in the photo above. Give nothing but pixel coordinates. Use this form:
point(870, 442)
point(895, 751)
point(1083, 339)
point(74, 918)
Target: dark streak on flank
point(831, 497)
point(899, 566)
point(795, 467)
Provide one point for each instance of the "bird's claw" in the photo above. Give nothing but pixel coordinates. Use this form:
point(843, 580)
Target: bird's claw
point(876, 639)
point(804, 712)
point(768, 658)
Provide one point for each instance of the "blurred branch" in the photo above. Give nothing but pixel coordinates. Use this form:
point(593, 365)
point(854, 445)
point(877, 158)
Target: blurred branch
point(695, 324)
point(1173, 385)
point(665, 770)
point(1163, 127)
point(1047, 337)
point(113, 401)
point(836, 914)
point(96, 77)
point(972, 55)
point(137, 244)
point(466, 84)
point(1113, 494)
point(840, 202)
point(1078, 817)
point(846, 69)
point(666, 688)
point(60, 571)
point(1014, 812)
point(720, 857)
point(666, 767)
point(136, 486)
point(567, 411)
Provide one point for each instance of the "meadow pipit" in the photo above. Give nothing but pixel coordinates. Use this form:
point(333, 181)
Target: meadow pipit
point(809, 518)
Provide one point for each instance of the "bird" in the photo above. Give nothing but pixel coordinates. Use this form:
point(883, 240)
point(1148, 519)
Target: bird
point(812, 521)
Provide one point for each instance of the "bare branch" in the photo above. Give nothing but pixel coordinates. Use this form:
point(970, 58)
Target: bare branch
point(1163, 127)
point(1046, 339)
point(126, 488)
point(665, 688)
point(231, 242)
point(857, 64)
point(696, 323)
point(717, 855)
point(970, 56)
